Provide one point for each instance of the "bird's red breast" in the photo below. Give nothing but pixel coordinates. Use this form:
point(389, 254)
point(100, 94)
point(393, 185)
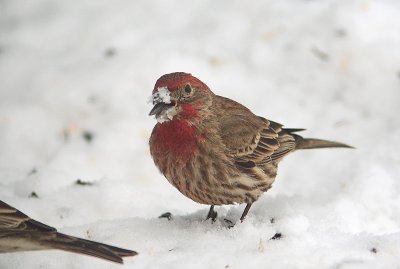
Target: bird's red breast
point(176, 138)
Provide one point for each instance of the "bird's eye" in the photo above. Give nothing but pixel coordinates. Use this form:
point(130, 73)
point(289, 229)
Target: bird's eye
point(188, 89)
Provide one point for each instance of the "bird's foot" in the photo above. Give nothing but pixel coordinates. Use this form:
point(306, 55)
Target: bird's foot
point(246, 210)
point(212, 214)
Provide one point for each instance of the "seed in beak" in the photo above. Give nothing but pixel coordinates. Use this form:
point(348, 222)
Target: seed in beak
point(159, 107)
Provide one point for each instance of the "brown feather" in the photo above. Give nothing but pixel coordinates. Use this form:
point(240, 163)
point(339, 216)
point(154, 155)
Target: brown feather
point(237, 152)
point(312, 143)
point(18, 232)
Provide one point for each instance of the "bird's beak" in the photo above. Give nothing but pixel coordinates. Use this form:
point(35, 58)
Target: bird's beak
point(159, 108)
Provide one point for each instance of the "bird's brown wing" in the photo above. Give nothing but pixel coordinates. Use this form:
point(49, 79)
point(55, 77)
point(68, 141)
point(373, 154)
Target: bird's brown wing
point(10, 218)
point(13, 220)
point(250, 139)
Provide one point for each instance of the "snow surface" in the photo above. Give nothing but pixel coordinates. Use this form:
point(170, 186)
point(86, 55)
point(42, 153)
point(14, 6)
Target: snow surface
point(74, 79)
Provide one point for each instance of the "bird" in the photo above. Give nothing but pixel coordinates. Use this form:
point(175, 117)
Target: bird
point(213, 149)
point(18, 232)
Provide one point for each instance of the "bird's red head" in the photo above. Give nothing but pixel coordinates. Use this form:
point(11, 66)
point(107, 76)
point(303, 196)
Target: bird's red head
point(181, 102)
point(177, 81)
point(179, 96)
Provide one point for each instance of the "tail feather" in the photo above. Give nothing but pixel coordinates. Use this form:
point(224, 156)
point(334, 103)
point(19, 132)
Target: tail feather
point(312, 143)
point(18, 232)
point(293, 130)
point(91, 248)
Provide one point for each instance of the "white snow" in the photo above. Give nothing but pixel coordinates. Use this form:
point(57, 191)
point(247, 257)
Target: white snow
point(76, 69)
point(161, 95)
point(167, 115)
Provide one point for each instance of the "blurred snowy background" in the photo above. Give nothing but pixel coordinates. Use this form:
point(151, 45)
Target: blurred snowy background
point(74, 80)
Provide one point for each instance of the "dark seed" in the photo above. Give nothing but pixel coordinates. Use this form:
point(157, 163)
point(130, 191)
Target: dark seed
point(83, 183)
point(276, 236)
point(320, 54)
point(166, 215)
point(32, 172)
point(33, 195)
point(373, 250)
point(229, 223)
point(88, 136)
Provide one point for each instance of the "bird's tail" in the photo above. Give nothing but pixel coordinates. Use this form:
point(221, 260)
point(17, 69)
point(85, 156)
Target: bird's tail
point(313, 143)
point(91, 248)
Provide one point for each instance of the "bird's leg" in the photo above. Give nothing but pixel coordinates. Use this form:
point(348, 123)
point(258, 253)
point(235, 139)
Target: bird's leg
point(246, 210)
point(212, 214)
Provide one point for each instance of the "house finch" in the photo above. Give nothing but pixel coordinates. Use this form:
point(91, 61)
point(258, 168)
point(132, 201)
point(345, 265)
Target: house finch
point(214, 150)
point(18, 232)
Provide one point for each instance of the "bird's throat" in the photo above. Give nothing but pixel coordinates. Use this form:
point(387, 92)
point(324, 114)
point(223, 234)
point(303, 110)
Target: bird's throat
point(176, 138)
